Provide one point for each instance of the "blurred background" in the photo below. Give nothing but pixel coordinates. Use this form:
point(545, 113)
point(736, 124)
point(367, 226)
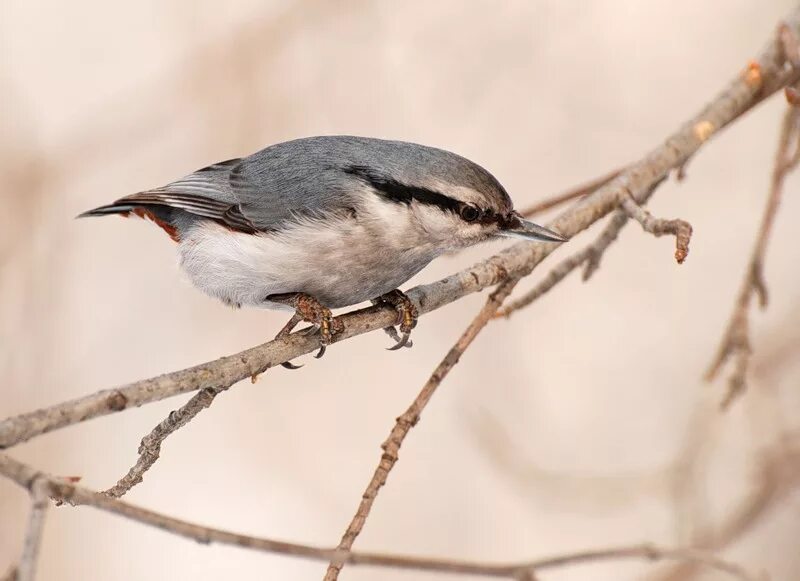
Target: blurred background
point(581, 422)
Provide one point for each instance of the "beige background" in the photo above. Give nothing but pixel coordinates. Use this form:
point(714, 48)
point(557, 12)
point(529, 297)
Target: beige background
point(561, 429)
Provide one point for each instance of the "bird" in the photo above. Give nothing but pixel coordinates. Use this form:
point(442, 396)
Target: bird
point(320, 223)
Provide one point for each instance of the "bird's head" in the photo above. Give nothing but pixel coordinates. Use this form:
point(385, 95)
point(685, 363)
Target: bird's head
point(454, 201)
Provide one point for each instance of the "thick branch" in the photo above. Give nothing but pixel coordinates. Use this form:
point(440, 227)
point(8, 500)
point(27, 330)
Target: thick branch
point(517, 261)
point(69, 492)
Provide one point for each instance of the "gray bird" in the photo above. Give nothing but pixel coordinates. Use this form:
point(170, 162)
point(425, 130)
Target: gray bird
point(325, 222)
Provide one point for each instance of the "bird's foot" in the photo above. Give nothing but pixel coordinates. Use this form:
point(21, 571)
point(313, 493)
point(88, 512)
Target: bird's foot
point(310, 310)
point(406, 318)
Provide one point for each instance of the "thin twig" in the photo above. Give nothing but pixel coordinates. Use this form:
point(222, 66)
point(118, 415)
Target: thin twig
point(571, 194)
point(607, 237)
point(69, 492)
point(409, 419)
point(26, 571)
point(517, 261)
point(736, 339)
point(150, 446)
point(658, 226)
point(789, 44)
point(589, 257)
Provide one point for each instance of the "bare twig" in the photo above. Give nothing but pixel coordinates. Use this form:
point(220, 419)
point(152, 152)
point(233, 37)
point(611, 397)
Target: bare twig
point(150, 446)
point(69, 492)
point(572, 194)
point(26, 571)
point(736, 340)
point(658, 226)
point(789, 44)
point(391, 447)
point(589, 257)
point(606, 239)
point(517, 261)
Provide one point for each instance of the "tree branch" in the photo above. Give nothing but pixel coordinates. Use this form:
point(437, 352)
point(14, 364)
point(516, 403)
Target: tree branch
point(658, 226)
point(69, 492)
point(517, 261)
point(736, 339)
point(572, 194)
point(150, 446)
point(409, 419)
point(26, 571)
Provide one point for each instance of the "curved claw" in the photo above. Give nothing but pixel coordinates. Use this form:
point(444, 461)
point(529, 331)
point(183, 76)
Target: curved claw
point(321, 352)
point(407, 318)
point(403, 342)
point(290, 365)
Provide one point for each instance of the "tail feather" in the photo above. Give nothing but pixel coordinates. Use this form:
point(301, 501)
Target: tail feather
point(107, 210)
point(159, 215)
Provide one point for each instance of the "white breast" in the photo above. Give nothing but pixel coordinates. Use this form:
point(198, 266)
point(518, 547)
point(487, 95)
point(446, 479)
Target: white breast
point(340, 260)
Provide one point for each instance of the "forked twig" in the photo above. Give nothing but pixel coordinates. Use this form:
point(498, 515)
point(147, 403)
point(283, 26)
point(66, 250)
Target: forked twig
point(736, 339)
point(589, 257)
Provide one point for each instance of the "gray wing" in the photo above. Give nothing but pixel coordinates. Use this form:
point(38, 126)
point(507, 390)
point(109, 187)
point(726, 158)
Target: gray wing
point(260, 192)
point(304, 177)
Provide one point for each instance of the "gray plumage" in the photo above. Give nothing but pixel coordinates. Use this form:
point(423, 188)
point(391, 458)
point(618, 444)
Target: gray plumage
point(343, 219)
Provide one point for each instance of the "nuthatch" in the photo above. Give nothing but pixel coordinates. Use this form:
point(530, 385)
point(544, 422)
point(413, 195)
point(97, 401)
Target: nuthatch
point(325, 222)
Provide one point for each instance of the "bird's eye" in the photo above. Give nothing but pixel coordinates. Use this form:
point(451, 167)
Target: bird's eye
point(469, 213)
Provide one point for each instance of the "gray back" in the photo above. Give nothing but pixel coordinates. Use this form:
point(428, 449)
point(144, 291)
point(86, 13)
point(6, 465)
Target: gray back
point(309, 175)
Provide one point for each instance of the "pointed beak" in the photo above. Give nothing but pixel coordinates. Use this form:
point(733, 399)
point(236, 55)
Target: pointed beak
point(519, 228)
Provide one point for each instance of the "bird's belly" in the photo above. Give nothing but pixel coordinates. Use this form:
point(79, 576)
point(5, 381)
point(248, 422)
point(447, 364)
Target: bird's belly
point(339, 268)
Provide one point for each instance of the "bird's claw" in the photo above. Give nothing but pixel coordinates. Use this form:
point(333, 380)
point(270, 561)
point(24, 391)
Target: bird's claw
point(310, 310)
point(403, 341)
point(406, 318)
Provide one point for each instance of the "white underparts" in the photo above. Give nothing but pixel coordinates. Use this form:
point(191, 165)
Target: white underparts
point(339, 259)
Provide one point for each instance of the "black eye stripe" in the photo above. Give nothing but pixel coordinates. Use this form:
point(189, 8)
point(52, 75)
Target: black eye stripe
point(404, 194)
point(401, 193)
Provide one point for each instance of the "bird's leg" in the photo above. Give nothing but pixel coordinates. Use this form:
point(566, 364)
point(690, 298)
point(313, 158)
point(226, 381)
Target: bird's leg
point(310, 310)
point(406, 317)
